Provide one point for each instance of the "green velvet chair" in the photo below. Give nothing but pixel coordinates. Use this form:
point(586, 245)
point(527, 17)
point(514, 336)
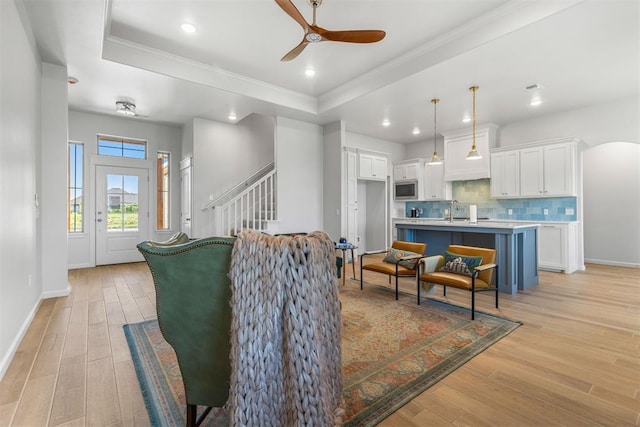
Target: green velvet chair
point(193, 291)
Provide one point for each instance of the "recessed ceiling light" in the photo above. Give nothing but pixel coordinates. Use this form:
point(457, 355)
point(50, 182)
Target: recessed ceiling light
point(188, 28)
point(385, 123)
point(535, 102)
point(416, 131)
point(466, 119)
point(232, 117)
point(309, 72)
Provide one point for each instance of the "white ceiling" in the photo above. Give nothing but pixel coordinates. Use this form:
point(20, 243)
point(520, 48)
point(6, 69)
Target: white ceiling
point(581, 52)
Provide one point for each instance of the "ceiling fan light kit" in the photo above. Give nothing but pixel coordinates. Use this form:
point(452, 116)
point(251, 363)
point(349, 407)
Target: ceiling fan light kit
point(315, 34)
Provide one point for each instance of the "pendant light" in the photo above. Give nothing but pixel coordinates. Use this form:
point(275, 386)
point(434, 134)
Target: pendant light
point(435, 160)
point(473, 154)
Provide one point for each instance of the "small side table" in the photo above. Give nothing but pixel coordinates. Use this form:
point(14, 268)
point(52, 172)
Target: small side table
point(344, 247)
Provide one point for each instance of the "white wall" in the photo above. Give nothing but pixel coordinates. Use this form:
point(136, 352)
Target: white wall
point(20, 80)
point(224, 155)
point(85, 127)
point(612, 204)
point(299, 161)
point(52, 178)
point(616, 121)
point(334, 136)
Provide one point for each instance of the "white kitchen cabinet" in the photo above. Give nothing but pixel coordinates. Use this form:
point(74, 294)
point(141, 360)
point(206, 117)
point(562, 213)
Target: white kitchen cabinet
point(548, 170)
point(505, 174)
point(457, 145)
point(372, 167)
point(557, 247)
point(435, 187)
point(408, 170)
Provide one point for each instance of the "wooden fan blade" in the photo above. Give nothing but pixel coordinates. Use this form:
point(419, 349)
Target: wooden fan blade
point(293, 12)
point(293, 53)
point(354, 36)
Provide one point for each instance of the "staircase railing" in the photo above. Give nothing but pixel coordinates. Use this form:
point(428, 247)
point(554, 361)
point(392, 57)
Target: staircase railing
point(253, 208)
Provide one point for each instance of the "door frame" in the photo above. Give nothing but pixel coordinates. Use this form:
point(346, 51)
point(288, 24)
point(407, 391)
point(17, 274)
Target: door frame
point(90, 218)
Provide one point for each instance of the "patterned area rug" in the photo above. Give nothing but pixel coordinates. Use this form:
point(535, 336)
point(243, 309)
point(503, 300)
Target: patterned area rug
point(391, 352)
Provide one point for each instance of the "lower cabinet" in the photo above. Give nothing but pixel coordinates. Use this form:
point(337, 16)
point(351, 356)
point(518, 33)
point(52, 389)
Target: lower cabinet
point(557, 247)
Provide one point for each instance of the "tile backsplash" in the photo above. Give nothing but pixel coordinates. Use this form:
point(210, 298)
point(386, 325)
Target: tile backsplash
point(477, 192)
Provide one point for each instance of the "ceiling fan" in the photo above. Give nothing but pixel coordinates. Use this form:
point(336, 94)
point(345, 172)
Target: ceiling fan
point(314, 33)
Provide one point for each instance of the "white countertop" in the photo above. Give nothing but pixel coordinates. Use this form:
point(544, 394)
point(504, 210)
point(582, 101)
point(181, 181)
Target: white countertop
point(465, 223)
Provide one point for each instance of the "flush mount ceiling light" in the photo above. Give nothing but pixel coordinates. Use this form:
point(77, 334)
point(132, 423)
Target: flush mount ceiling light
point(386, 123)
point(416, 131)
point(188, 27)
point(435, 159)
point(535, 102)
point(309, 72)
point(232, 117)
point(473, 154)
point(126, 108)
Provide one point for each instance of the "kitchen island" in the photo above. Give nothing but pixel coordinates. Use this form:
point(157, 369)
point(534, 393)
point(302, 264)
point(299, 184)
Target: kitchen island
point(516, 245)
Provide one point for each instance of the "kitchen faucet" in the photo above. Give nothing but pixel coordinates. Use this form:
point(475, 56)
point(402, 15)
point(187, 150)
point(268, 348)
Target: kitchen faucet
point(451, 209)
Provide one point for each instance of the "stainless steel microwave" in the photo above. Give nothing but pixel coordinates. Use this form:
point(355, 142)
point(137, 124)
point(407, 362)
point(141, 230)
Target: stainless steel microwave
point(406, 190)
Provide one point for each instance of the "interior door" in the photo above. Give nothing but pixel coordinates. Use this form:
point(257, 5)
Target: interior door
point(185, 198)
point(122, 213)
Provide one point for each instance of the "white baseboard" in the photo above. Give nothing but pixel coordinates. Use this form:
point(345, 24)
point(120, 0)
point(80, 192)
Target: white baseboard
point(614, 263)
point(76, 266)
point(8, 357)
point(55, 294)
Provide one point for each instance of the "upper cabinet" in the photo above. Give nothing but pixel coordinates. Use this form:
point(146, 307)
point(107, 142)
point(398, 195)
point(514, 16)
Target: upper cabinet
point(372, 167)
point(539, 169)
point(435, 187)
point(505, 174)
point(408, 170)
point(548, 170)
point(457, 145)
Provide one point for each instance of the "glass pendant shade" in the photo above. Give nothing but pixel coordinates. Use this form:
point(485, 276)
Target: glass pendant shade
point(435, 159)
point(473, 154)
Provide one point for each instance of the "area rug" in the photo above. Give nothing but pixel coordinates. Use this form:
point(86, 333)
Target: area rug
point(391, 352)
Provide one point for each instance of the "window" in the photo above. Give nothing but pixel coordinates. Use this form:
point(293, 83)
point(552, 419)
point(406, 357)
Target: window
point(74, 191)
point(122, 147)
point(163, 190)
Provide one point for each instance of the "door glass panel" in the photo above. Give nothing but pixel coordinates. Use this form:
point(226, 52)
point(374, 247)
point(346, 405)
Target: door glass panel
point(122, 203)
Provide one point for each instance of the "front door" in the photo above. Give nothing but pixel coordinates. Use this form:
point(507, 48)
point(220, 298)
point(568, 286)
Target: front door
point(122, 213)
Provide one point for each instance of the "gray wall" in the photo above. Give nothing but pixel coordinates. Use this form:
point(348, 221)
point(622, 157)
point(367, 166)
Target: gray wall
point(612, 204)
point(20, 83)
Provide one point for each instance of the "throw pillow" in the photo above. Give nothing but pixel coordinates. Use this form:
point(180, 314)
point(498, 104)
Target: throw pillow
point(461, 264)
point(394, 257)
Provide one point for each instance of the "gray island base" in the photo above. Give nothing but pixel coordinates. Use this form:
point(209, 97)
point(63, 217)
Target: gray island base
point(516, 245)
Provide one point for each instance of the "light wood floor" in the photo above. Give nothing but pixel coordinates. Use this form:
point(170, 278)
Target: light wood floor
point(574, 362)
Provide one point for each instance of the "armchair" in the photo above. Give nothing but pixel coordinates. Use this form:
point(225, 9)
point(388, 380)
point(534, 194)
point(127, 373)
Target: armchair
point(193, 291)
point(395, 269)
point(481, 279)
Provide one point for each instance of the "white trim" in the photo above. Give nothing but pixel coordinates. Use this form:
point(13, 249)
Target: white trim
point(614, 263)
point(8, 357)
point(77, 266)
point(58, 293)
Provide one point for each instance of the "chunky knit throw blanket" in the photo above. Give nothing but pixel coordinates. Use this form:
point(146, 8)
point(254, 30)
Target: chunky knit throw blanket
point(285, 333)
